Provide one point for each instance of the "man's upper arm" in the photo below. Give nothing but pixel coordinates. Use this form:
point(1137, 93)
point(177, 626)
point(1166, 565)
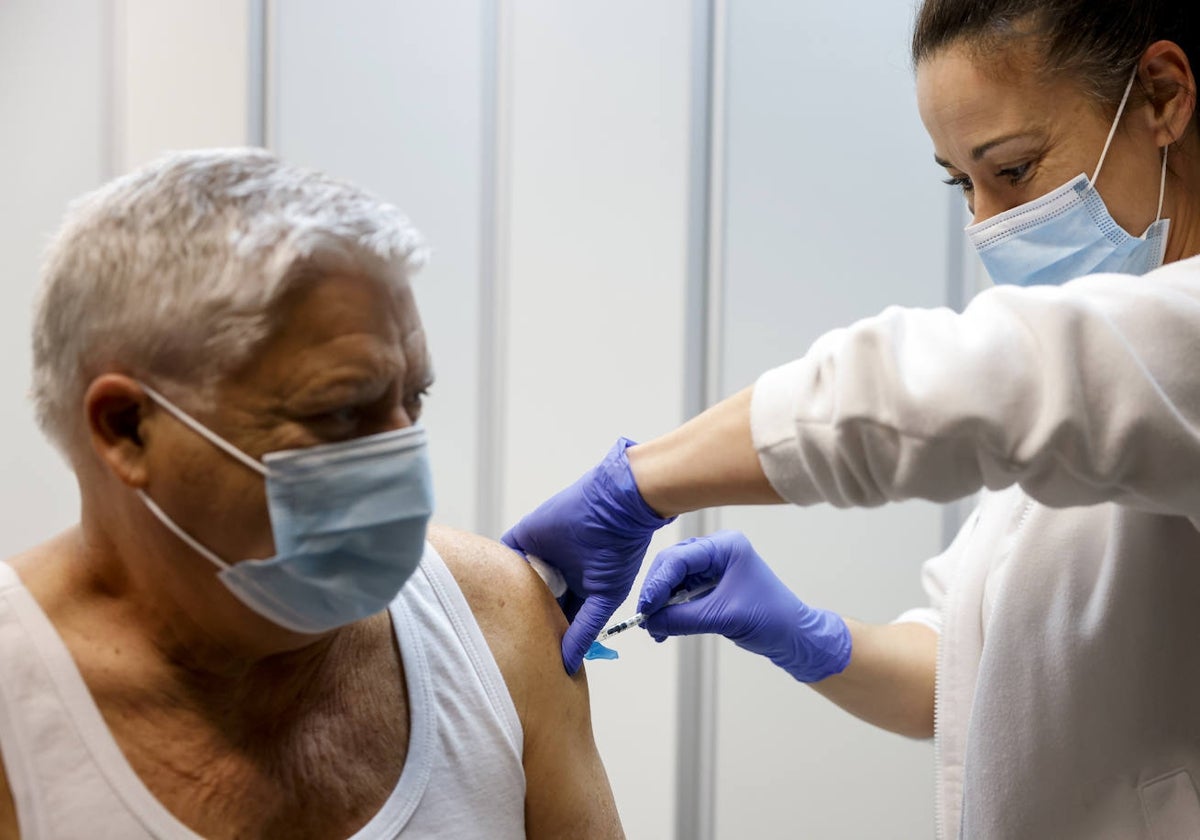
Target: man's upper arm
point(567, 790)
point(8, 810)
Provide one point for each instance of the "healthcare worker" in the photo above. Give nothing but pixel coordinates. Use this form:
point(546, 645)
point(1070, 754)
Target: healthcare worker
point(1064, 623)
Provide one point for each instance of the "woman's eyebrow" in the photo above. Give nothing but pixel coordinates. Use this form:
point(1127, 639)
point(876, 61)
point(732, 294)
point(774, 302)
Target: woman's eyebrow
point(980, 151)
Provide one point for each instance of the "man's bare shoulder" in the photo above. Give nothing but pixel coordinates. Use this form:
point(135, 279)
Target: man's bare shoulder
point(8, 810)
point(568, 794)
point(519, 617)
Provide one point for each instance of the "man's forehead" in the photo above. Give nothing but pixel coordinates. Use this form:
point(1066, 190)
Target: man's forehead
point(341, 329)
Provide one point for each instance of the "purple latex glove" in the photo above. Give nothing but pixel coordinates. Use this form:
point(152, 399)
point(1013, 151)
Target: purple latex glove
point(750, 605)
point(596, 533)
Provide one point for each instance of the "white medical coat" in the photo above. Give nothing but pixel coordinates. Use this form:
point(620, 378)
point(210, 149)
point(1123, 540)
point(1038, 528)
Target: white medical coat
point(1068, 699)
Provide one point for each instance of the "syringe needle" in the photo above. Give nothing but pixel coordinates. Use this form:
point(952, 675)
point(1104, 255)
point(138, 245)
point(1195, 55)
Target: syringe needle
point(639, 619)
point(622, 626)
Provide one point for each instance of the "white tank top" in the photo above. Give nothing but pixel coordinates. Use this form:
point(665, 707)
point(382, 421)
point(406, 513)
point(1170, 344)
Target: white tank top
point(462, 779)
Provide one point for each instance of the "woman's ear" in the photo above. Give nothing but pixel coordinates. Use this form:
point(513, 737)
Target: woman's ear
point(1166, 77)
point(116, 409)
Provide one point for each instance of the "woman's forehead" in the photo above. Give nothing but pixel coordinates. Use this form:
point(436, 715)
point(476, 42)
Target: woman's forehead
point(970, 103)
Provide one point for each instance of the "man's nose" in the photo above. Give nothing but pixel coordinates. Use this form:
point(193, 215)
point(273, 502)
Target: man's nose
point(400, 419)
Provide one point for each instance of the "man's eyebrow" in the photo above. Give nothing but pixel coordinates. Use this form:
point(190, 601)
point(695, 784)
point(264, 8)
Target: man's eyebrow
point(982, 149)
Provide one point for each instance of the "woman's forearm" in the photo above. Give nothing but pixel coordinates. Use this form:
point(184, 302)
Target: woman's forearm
point(707, 462)
point(890, 679)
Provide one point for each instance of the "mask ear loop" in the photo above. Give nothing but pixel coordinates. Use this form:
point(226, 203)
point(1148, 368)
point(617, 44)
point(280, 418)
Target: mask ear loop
point(204, 432)
point(217, 441)
point(188, 539)
point(1162, 186)
point(1112, 132)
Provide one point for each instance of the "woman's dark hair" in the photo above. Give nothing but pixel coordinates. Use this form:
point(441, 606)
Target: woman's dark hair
point(1097, 42)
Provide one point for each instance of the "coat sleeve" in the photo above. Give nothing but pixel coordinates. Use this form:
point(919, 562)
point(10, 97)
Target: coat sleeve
point(1081, 394)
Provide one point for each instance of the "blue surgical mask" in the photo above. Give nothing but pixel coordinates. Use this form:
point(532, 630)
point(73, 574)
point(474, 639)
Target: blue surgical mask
point(1069, 233)
point(349, 522)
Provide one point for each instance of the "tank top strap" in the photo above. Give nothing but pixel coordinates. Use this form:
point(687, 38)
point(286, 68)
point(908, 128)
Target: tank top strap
point(63, 767)
point(474, 779)
point(452, 604)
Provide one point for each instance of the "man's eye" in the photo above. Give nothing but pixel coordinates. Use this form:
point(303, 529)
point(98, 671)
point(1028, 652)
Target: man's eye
point(960, 181)
point(414, 402)
point(346, 417)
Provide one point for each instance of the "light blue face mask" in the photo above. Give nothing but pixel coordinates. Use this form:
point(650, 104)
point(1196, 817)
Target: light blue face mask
point(349, 523)
point(1069, 233)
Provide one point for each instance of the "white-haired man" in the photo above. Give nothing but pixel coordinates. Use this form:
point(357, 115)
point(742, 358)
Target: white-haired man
point(247, 634)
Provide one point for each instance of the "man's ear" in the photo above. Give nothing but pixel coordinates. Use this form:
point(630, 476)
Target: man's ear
point(116, 409)
point(1166, 76)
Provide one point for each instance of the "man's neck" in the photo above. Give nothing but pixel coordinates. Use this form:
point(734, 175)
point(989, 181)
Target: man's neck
point(221, 736)
point(125, 629)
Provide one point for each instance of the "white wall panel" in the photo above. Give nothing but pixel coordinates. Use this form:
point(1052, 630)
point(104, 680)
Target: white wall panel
point(181, 76)
point(390, 95)
point(833, 212)
point(52, 105)
point(596, 289)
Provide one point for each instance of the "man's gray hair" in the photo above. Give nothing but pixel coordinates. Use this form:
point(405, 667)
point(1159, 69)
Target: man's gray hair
point(171, 272)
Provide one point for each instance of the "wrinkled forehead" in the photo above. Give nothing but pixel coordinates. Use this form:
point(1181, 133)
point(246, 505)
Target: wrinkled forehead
point(968, 98)
point(319, 304)
point(342, 329)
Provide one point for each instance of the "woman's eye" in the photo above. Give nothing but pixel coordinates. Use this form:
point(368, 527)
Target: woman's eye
point(960, 181)
point(1015, 174)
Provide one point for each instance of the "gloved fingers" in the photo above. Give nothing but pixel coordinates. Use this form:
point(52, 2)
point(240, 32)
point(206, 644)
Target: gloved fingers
point(525, 537)
point(690, 619)
point(570, 604)
point(510, 539)
point(586, 626)
point(693, 558)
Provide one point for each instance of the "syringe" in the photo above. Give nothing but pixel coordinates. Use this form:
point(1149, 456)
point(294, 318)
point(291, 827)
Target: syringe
point(640, 618)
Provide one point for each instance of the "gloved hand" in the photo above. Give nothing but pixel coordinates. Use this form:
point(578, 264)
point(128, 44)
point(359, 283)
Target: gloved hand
point(750, 605)
point(596, 533)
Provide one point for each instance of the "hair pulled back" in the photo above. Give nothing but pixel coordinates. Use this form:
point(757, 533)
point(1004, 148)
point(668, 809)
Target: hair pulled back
point(1096, 42)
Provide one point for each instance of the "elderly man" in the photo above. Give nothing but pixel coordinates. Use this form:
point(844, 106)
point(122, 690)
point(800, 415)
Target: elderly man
point(247, 634)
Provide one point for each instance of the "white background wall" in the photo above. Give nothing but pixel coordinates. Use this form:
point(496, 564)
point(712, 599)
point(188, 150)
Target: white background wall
point(832, 211)
point(180, 76)
point(595, 275)
point(543, 147)
point(53, 122)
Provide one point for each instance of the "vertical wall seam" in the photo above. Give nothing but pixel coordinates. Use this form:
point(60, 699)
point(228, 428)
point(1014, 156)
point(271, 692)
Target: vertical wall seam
point(695, 800)
point(495, 170)
point(271, 22)
point(715, 285)
point(112, 157)
point(256, 73)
